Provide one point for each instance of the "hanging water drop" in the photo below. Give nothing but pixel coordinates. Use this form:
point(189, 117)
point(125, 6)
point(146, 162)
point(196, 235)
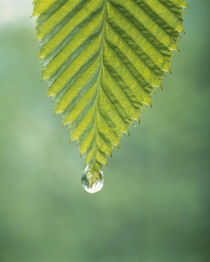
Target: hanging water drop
point(92, 181)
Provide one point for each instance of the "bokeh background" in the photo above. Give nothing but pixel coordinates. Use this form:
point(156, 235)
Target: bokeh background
point(155, 203)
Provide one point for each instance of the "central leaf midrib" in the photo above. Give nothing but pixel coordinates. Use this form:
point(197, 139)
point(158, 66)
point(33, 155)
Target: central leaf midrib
point(101, 65)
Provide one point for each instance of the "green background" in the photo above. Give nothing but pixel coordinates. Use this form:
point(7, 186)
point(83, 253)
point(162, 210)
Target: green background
point(155, 203)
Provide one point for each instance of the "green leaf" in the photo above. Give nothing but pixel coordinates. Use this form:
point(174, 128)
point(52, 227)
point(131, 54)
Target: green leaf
point(102, 60)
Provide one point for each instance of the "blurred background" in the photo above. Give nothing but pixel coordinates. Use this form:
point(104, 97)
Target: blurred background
point(155, 203)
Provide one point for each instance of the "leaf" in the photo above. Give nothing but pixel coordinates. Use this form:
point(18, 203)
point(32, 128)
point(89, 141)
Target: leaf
point(102, 60)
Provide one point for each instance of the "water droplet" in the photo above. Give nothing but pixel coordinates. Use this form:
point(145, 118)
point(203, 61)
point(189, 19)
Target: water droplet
point(92, 181)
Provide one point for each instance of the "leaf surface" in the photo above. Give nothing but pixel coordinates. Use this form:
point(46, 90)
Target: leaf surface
point(102, 60)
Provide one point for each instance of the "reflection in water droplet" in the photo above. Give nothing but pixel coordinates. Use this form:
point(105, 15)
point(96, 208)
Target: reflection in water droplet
point(92, 181)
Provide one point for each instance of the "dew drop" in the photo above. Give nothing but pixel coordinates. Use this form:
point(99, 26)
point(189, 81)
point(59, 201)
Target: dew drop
point(92, 181)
